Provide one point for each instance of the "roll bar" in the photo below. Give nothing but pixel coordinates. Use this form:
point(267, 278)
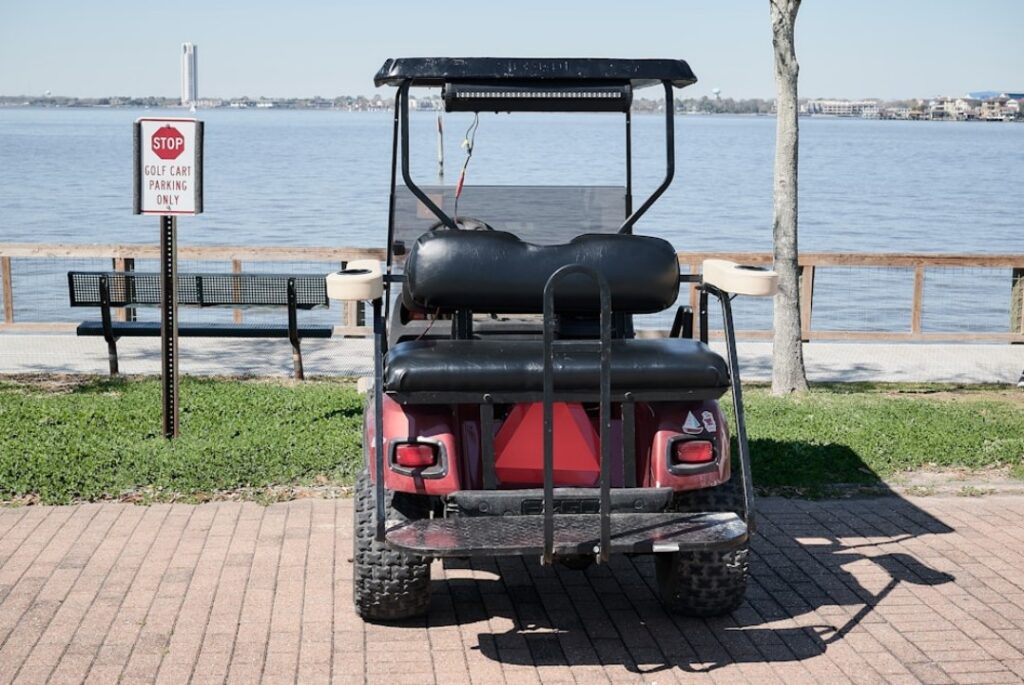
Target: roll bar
point(402, 119)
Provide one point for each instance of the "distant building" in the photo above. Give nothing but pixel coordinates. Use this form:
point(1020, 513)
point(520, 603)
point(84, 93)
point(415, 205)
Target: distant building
point(962, 109)
point(424, 104)
point(1003, 107)
point(189, 75)
point(842, 108)
point(993, 107)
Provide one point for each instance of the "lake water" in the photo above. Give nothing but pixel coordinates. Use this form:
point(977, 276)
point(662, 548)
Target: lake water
point(320, 178)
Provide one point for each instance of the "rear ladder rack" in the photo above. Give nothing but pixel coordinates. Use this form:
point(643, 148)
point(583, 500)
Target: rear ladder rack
point(603, 547)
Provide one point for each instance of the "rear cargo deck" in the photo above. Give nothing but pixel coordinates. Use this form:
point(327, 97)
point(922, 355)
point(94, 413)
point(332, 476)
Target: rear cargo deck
point(462, 536)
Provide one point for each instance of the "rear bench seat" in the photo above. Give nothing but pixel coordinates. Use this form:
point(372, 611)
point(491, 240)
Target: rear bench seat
point(518, 366)
point(495, 271)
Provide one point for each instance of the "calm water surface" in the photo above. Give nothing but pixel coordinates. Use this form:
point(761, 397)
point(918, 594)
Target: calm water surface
point(321, 178)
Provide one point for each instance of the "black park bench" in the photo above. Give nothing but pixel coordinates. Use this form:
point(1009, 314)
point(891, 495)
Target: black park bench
point(131, 289)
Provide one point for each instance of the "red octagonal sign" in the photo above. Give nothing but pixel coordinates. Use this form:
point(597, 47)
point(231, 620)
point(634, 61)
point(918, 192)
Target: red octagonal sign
point(168, 142)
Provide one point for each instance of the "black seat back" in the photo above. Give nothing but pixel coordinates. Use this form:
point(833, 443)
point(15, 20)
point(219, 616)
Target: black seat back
point(495, 271)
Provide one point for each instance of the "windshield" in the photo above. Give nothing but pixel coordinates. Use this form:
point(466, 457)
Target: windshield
point(542, 215)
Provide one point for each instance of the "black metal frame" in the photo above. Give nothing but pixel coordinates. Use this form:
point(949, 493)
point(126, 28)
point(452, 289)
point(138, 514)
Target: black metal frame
point(379, 341)
point(670, 163)
point(605, 408)
point(516, 397)
point(682, 324)
point(402, 143)
point(737, 395)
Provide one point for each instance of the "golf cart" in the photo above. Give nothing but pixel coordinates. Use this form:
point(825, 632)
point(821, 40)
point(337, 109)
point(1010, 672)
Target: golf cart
point(513, 408)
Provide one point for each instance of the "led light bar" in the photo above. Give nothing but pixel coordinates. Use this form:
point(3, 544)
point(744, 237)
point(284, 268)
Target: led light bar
point(461, 97)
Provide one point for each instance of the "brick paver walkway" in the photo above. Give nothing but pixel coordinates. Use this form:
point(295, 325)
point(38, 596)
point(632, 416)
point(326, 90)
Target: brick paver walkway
point(889, 590)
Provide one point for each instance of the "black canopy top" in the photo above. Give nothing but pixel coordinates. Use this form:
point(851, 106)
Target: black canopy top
point(436, 71)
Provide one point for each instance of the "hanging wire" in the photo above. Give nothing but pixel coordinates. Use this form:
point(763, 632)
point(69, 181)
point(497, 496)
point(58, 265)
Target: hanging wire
point(467, 144)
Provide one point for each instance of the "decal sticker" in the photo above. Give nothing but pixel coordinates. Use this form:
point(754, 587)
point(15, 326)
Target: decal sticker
point(692, 426)
point(709, 422)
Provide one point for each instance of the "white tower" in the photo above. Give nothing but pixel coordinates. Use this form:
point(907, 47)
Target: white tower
point(189, 74)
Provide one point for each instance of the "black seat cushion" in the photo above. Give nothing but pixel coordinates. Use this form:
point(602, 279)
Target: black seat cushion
point(670, 364)
point(495, 271)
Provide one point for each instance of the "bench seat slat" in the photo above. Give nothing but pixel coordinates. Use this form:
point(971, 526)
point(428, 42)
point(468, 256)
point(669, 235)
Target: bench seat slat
point(150, 329)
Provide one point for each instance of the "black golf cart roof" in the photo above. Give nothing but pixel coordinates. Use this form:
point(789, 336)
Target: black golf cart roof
point(437, 71)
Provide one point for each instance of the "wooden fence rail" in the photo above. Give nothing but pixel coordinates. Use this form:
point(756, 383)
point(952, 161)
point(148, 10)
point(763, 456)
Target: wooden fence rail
point(123, 256)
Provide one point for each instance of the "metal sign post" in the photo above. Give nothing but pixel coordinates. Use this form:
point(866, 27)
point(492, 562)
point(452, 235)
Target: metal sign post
point(169, 324)
point(169, 182)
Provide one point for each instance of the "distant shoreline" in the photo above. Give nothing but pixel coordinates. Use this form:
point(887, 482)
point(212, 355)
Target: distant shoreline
point(1007, 107)
point(388, 110)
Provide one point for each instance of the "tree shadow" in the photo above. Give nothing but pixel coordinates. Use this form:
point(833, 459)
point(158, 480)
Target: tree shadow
point(819, 569)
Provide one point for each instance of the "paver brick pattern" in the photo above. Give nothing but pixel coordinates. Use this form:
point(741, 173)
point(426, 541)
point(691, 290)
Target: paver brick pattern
point(887, 590)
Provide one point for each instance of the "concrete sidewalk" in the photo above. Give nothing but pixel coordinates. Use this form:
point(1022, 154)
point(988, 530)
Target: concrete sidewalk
point(32, 353)
point(891, 590)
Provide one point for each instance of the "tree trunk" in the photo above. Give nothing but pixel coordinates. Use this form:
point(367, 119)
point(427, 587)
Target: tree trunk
point(788, 373)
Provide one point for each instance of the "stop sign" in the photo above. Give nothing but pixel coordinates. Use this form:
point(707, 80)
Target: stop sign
point(168, 142)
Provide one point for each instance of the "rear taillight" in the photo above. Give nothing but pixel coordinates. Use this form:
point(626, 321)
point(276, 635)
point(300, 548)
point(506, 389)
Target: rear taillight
point(416, 455)
point(693, 452)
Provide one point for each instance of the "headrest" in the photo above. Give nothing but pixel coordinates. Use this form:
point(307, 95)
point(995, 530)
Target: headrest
point(495, 271)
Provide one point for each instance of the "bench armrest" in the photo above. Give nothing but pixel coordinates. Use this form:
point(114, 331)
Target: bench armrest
point(360, 280)
point(739, 279)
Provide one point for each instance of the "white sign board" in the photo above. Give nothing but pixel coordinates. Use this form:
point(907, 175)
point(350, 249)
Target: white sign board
point(168, 166)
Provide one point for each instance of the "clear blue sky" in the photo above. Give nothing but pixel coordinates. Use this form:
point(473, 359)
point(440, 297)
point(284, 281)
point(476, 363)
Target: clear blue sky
point(293, 48)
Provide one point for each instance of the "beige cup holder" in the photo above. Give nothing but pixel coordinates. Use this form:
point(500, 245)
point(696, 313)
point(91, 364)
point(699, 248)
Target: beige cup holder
point(740, 279)
point(359, 280)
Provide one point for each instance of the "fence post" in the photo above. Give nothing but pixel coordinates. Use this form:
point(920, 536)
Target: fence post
point(1017, 300)
point(915, 307)
point(8, 286)
point(806, 300)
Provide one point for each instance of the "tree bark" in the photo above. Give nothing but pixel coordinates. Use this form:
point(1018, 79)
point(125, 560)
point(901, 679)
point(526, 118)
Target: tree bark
point(788, 373)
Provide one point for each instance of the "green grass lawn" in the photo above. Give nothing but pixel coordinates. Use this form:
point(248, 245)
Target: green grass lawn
point(856, 433)
point(62, 441)
point(102, 438)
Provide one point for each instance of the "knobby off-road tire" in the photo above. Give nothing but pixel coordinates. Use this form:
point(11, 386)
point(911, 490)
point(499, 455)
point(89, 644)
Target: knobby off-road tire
point(387, 585)
point(705, 583)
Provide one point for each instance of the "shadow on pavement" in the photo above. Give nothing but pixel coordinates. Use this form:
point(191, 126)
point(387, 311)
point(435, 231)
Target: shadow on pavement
point(818, 570)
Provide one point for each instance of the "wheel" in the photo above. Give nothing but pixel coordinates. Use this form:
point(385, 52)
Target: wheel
point(387, 585)
point(705, 583)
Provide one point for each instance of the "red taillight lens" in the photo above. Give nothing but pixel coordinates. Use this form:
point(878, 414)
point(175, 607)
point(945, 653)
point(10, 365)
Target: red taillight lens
point(693, 452)
point(416, 456)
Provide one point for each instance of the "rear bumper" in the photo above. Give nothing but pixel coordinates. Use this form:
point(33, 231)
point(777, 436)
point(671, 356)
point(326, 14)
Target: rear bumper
point(461, 536)
point(511, 522)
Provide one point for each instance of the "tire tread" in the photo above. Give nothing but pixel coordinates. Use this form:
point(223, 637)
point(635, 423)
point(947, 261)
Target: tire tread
point(387, 585)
